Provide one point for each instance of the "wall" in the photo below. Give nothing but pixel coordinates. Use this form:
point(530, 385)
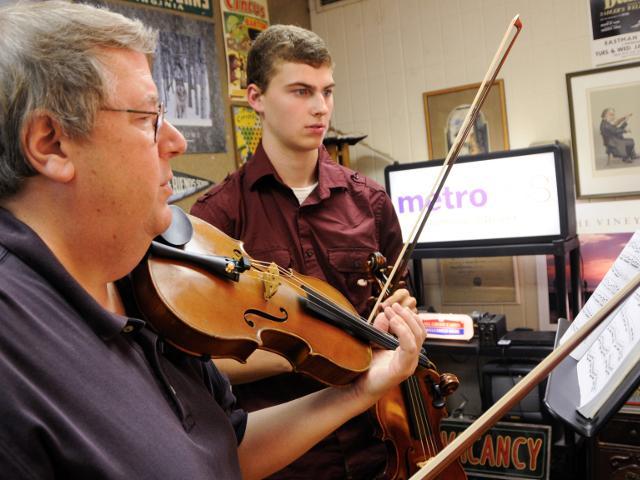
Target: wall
point(289, 12)
point(388, 53)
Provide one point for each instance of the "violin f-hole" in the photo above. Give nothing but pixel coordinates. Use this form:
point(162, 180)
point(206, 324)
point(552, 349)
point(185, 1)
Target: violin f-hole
point(267, 316)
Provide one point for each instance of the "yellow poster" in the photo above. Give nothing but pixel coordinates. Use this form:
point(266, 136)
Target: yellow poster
point(247, 131)
point(242, 21)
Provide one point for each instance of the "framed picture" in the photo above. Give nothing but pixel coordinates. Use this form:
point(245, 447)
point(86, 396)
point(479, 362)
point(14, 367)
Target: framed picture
point(322, 5)
point(446, 109)
point(247, 132)
point(604, 107)
point(479, 281)
point(185, 72)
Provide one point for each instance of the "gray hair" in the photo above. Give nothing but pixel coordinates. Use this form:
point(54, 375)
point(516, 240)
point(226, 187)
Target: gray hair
point(50, 61)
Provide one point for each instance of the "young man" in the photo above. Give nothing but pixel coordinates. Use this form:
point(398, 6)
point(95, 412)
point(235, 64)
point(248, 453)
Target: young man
point(293, 205)
point(89, 389)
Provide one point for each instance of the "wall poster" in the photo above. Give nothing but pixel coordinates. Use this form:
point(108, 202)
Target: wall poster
point(247, 132)
point(242, 21)
point(184, 185)
point(185, 74)
point(197, 7)
point(615, 27)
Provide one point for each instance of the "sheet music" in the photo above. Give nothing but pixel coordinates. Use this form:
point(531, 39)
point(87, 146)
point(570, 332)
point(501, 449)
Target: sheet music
point(624, 268)
point(608, 354)
point(611, 356)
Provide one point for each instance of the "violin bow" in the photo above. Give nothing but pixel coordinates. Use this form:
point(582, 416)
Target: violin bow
point(513, 30)
point(463, 441)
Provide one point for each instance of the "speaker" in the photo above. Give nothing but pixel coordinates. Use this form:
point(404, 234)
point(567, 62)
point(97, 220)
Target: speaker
point(491, 328)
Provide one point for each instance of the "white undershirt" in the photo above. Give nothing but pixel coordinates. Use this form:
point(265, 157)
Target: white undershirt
point(302, 193)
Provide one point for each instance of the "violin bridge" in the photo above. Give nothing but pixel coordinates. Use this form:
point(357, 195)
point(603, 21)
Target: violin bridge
point(271, 280)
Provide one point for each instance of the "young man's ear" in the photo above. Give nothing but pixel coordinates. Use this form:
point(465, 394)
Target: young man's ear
point(41, 141)
point(254, 97)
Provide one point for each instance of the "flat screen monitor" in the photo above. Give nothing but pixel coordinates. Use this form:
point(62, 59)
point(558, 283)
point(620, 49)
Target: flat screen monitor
point(498, 378)
point(513, 197)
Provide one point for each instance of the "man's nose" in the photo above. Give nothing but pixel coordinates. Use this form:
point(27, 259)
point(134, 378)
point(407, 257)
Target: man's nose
point(170, 140)
point(320, 104)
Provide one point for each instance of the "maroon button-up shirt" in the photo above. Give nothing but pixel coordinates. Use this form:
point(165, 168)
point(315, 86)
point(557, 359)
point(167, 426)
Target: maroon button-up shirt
point(330, 236)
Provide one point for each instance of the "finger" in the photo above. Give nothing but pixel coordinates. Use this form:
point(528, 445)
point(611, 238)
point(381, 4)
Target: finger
point(403, 322)
point(403, 297)
point(381, 322)
point(407, 353)
point(413, 322)
point(395, 297)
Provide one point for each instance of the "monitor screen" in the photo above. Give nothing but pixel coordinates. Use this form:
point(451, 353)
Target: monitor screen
point(501, 384)
point(499, 377)
point(504, 197)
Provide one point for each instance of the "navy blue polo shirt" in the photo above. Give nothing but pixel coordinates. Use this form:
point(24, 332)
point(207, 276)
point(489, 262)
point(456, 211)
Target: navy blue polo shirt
point(91, 394)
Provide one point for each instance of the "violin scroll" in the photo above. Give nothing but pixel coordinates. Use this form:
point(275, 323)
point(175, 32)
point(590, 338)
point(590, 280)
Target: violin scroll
point(377, 274)
point(448, 384)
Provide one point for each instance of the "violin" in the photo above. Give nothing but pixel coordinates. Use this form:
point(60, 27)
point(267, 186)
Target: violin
point(204, 294)
point(409, 415)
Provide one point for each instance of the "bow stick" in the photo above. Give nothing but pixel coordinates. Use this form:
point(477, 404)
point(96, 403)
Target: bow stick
point(500, 56)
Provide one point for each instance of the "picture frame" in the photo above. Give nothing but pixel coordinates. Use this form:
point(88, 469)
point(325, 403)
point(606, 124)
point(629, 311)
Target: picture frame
point(479, 281)
point(247, 132)
point(445, 110)
point(604, 110)
point(323, 5)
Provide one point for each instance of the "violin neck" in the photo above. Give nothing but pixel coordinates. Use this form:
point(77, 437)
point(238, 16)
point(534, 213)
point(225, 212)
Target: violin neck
point(354, 325)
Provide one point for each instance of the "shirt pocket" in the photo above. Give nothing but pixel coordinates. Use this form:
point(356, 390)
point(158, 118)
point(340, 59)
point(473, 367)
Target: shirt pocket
point(350, 266)
point(349, 260)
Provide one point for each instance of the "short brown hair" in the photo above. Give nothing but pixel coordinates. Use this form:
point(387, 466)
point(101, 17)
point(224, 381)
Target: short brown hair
point(284, 43)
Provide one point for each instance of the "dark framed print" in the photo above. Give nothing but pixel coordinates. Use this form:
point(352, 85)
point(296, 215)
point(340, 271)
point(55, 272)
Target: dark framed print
point(604, 108)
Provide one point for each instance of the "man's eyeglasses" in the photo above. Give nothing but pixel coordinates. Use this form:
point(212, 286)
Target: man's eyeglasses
point(159, 117)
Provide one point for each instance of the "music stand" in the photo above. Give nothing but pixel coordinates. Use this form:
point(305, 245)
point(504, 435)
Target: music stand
point(562, 393)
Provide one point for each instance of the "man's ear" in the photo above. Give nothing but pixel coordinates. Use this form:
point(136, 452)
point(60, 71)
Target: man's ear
point(254, 97)
point(42, 140)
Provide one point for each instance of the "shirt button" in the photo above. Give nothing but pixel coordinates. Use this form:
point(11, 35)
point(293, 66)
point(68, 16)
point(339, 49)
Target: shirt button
point(132, 325)
point(309, 253)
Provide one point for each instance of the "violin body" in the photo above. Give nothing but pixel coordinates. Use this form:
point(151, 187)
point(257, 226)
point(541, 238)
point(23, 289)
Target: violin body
point(203, 314)
point(409, 417)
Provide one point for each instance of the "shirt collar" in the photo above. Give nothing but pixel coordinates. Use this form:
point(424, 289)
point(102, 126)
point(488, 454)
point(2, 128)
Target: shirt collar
point(25, 244)
point(330, 174)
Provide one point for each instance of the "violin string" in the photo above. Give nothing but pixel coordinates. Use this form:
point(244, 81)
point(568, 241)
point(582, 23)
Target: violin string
point(422, 419)
point(417, 417)
point(381, 338)
point(290, 277)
